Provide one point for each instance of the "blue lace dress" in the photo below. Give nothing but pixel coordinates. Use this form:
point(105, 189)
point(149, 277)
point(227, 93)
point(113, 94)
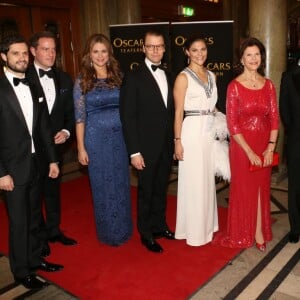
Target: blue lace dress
point(108, 160)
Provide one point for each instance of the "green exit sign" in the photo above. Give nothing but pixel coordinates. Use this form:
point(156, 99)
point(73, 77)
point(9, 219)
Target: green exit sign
point(185, 11)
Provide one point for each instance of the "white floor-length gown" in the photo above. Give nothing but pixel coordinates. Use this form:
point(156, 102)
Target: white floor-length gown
point(197, 217)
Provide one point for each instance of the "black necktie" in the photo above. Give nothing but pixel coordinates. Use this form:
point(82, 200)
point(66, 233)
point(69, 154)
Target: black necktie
point(154, 67)
point(49, 73)
point(17, 80)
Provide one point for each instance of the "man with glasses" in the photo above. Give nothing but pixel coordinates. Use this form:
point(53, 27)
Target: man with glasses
point(147, 114)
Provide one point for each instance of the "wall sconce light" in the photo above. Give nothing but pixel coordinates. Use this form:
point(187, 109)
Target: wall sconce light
point(185, 11)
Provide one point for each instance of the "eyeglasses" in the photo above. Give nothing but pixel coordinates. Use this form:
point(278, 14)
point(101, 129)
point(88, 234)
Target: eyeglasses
point(155, 47)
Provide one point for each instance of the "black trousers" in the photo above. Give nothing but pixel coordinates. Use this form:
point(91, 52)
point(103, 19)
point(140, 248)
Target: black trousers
point(293, 163)
point(152, 195)
point(51, 221)
point(24, 210)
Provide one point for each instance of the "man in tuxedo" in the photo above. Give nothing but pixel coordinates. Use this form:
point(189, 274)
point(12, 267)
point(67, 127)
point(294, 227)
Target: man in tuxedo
point(147, 115)
point(289, 106)
point(56, 87)
point(25, 141)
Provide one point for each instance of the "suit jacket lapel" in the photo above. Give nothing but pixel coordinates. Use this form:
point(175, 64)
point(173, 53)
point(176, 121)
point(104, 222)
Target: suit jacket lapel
point(35, 106)
point(36, 79)
point(170, 91)
point(13, 101)
point(57, 89)
point(156, 84)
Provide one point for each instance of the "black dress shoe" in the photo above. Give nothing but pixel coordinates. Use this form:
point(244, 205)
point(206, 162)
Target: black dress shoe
point(48, 267)
point(152, 245)
point(293, 238)
point(31, 282)
point(45, 250)
point(164, 234)
point(61, 238)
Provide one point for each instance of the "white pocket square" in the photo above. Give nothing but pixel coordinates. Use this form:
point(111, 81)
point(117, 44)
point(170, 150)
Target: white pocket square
point(41, 99)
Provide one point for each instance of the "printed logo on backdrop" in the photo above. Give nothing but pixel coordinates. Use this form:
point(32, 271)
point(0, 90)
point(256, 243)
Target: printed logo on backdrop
point(217, 67)
point(127, 41)
point(219, 39)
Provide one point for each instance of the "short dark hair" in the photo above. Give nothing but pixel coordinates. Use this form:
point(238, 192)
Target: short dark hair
point(34, 40)
point(9, 40)
point(154, 32)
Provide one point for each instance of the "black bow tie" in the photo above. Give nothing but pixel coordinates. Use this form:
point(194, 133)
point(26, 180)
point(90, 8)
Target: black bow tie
point(49, 73)
point(154, 67)
point(17, 80)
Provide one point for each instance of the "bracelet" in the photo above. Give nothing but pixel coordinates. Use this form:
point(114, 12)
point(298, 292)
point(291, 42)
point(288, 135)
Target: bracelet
point(271, 142)
point(176, 139)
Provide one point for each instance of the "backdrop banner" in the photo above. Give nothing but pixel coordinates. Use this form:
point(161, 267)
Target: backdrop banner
point(219, 39)
point(127, 41)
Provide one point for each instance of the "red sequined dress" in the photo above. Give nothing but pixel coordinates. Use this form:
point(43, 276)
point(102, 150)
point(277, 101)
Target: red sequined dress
point(252, 113)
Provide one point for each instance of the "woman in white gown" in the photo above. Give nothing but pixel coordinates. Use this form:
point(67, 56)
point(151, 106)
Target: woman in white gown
point(195, 95)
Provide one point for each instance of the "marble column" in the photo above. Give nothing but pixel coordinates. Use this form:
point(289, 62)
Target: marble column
point(268, 23)
point(129, 11)
point(238, 12)
point(96, 16)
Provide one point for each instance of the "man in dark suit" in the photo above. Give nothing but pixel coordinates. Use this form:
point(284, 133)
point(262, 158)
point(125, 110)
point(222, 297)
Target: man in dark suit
point(25, 140)
point(289, 105)
point(147, 114)
point(56, 87)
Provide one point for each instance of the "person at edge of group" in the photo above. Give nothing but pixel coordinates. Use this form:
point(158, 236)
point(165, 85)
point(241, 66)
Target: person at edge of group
point(25, 133)
point(253, 122)
point(289, 107)
point(195, 95)
point(100, 140)
point(56, 87)
point(147, 114)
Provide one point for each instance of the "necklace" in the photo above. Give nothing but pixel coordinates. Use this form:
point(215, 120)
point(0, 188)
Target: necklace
point(252, 82)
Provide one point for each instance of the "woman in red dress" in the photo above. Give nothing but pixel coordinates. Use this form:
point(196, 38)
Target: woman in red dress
point(253, 122)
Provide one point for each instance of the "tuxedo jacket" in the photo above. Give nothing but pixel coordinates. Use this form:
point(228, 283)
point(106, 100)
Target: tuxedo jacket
point(147, 122)
point(289, 107)
point(15, 139)
point(289, 102)
point(62, 114)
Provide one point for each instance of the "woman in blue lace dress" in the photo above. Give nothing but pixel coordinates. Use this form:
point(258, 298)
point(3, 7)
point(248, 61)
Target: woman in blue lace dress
point(100, 140)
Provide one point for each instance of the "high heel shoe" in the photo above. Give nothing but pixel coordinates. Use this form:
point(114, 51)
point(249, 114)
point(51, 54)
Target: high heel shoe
point(261, 247)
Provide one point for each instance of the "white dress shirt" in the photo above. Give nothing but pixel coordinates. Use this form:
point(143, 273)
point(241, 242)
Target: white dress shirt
point(48, 87)
point(161, 80)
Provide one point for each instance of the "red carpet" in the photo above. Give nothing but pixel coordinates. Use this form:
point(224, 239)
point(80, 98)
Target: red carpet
point(96, 271)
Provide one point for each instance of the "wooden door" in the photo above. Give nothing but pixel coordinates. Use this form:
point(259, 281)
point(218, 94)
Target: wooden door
point(14, 19)
point(26, 20)
point(58, 21)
